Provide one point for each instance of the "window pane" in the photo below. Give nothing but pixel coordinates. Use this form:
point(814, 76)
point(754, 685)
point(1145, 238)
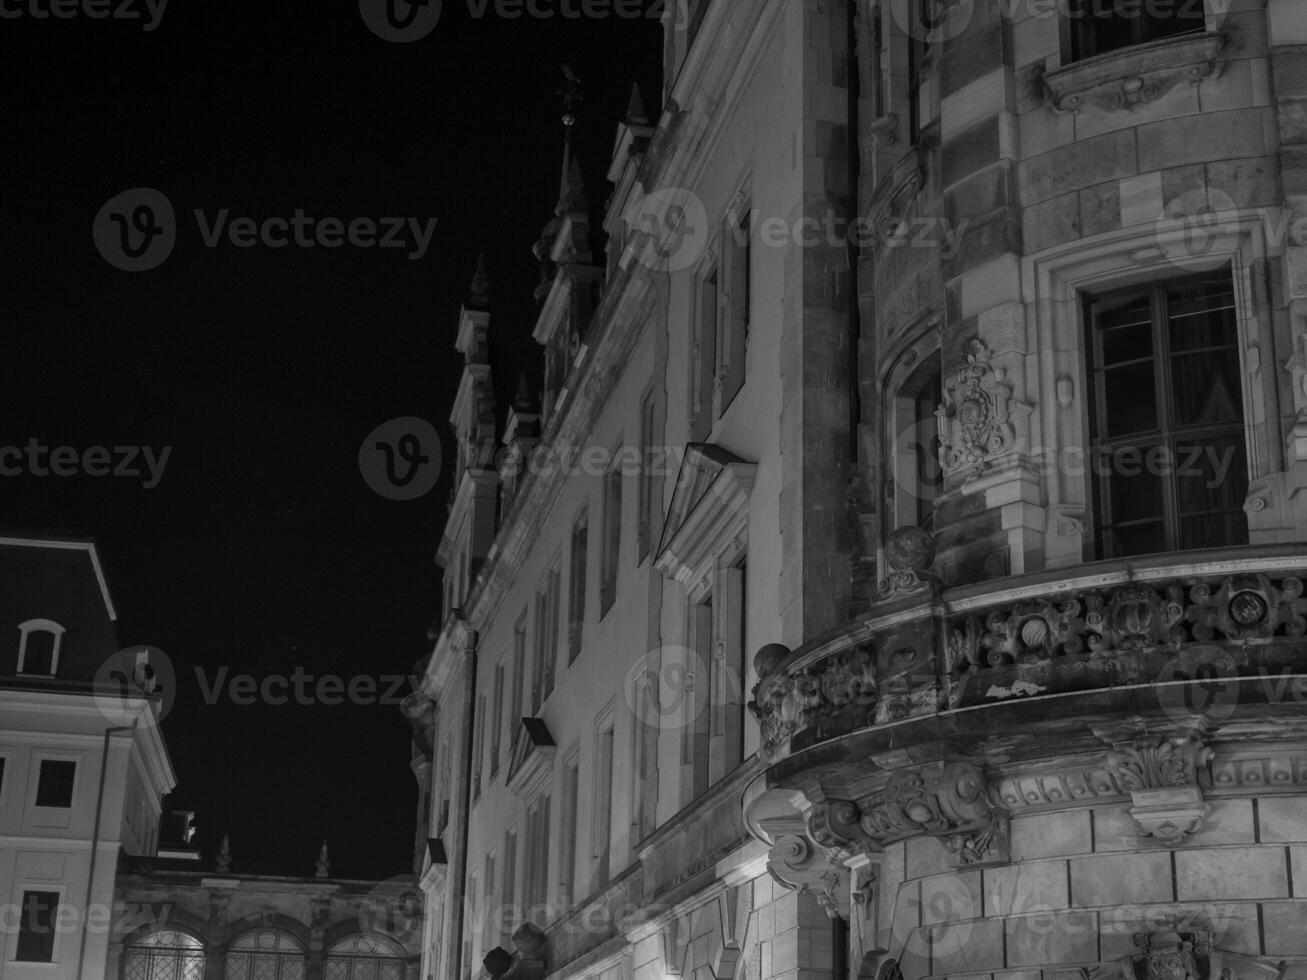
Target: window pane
point(1136, 539)
point(36, 927)
point(1133, 492)
point(54, 786)
point(1205, 388)
point(1211, 475)
point(1213, 530)
point(1125, 322)
point(1201, 314)
point(1130, 399)
point(1179, 18)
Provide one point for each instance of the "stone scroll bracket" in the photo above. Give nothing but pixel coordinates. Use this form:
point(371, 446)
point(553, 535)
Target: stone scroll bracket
point(1185, 951)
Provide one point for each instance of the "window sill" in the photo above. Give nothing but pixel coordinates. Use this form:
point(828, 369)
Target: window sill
point(1135, 76)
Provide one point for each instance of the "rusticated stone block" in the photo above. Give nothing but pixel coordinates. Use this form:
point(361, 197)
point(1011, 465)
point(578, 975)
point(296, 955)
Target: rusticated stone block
point(1282, 819)
point(967, 947)
point(1018, 889)
point(1052, 939)
point(1217, 874)
point(1046, 835)
point(1201, 138)
point(1121, 879)
point(1081, 164)
point(1285, 927)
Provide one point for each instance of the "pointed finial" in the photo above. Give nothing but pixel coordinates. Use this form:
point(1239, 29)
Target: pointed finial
point(224, 856)
point(635, 108)
point(572, 197)
point(323, 867)
point(478, 297)
point(523, 401)
point(571, 96)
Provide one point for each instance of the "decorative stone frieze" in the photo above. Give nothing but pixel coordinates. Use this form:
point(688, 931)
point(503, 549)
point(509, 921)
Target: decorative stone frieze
point(1165, 779)
point(975, 424)
point(1136, 76)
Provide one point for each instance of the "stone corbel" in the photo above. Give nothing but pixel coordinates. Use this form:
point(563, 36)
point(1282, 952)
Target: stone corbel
point(800, 865)
point(947, 799)
point(1166, 779)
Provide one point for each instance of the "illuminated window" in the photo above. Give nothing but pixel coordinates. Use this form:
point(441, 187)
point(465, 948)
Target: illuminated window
point(164, 955)
point(265, 955)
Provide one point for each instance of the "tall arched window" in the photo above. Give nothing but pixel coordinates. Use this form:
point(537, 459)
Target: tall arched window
point(38, 646)
point(164, 954)
point(265, 955)
point(365, 958)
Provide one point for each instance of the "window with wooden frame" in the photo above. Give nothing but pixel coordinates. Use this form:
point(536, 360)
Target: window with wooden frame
point(516, 705)
point(1168, 457)
point(546, 639)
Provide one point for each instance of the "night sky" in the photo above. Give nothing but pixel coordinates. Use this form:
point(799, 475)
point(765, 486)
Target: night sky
point(261, 548)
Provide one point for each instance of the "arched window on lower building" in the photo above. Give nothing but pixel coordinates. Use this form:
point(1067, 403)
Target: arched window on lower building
point(265, 955)
point(365, 958)
point(163, 954)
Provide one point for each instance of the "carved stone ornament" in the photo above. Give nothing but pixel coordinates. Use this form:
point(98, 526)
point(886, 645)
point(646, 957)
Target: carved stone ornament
point(1165, 779)
point(1184, 951)
point(974, 421)
point(909, 552)
point(946, 799)
point(799, 865)
point(1137, 76)
point(786, 703)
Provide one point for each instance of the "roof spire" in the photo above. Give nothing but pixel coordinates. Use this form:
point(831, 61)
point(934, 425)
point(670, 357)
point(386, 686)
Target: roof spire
point(223, 865)
point(478, 297)
point(323, 867)
point(524, 401)
point(635, 115)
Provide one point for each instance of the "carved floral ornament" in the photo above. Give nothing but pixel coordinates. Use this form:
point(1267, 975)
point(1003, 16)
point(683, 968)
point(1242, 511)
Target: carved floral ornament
point(1185, 951)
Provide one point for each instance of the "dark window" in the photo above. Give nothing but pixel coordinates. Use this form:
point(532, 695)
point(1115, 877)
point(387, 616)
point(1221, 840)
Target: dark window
point(1095, 27)
point(612, 539)
point(1168, 458)
point(918, 52)
point(576, 586)
point(38, 652)
point(918, 476)
point(36, 927)
point(54, 786)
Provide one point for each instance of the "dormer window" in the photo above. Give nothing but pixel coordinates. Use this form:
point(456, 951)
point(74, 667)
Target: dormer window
point(1093, 27)
point(38, 647)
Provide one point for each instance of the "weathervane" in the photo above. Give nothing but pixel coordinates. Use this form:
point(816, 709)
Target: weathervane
point(570, 93)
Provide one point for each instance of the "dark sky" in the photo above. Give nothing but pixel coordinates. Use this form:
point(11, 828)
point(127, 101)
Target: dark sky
point(261, 548)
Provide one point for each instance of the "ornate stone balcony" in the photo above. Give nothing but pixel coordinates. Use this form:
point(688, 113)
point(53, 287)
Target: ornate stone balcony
point(1172, 633)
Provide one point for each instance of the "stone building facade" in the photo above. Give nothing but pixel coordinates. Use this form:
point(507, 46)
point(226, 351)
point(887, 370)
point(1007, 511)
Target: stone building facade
point(975, 332)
